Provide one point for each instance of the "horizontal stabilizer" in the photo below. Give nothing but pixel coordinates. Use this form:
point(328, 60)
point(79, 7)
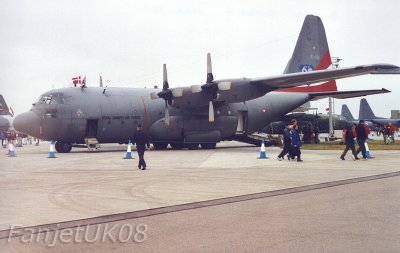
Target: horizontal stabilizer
point(346, 94)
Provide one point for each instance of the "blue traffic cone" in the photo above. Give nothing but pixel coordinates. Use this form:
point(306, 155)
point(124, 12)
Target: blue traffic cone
point(367, 152)
point(263, 154)
point(51, 153)
point(11, 152)
point(129, 151)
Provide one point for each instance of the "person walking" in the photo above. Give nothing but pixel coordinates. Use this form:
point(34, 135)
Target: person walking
point(385, 132)
point(296, 143)
point(3, 138)
point(361, 138)
point(141, 140)
point(286, 142)
point(348, 139)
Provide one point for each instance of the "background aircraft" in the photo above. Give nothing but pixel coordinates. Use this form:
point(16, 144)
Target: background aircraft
point(366, 113)
point(5, 116)
point(226, 109)
point(318, 122)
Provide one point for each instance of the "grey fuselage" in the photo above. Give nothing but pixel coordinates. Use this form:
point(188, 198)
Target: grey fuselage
point(114, 115)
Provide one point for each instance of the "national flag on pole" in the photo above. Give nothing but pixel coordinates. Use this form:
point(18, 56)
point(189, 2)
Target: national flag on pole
point(76, 80)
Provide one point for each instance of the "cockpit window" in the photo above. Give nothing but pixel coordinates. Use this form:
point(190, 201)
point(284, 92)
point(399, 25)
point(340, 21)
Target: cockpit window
point(54, 99)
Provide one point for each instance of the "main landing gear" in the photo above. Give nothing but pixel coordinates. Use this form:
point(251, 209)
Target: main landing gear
point(63, 147)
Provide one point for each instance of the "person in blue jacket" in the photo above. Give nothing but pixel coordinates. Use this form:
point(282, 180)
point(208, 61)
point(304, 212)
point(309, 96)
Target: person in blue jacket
point(296, 143)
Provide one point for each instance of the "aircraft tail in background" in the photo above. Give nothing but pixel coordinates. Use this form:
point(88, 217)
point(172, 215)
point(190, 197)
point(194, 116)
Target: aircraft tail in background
point(346, 113)
point(366, 111)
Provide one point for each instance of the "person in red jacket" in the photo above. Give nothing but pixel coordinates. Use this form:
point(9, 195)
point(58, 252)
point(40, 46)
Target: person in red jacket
point(392, 130)
point(367, 130)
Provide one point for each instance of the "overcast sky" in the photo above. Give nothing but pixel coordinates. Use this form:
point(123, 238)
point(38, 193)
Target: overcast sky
point(44, 43)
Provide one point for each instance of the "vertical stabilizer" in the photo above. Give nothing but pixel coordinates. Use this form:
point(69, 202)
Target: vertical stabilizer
point(311, 53)
point(346, 113)
point(4, 110)
point(365, 110)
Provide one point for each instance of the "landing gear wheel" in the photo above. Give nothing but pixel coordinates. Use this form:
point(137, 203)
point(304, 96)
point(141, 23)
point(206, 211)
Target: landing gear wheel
point(160, 145)
point(176, 145)
point(193, 146)
point(208, 145)
point(63, 147)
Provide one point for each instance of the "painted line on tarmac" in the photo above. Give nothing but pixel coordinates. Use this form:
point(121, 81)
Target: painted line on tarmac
point(4, 234)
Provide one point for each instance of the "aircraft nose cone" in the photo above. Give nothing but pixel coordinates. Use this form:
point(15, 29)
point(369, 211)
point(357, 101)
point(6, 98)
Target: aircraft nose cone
point(27, 123)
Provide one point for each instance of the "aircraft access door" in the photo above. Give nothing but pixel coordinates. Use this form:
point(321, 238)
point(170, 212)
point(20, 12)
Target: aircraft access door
point(242, 122)
point(91, 128)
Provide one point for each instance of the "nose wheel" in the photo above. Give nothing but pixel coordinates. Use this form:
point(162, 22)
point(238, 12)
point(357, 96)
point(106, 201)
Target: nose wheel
point(63, 147)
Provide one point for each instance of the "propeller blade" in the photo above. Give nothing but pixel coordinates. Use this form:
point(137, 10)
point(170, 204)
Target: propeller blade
point(165, 78)
point(166, 114)
point(211, 112)
point(210, 76)
point(101, 82)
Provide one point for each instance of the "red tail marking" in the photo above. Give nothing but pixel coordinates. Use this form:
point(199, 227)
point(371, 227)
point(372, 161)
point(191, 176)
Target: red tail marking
point(325, 61)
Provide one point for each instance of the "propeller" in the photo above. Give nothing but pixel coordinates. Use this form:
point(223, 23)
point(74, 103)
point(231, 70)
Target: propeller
point(166, 94)
point(211, 88)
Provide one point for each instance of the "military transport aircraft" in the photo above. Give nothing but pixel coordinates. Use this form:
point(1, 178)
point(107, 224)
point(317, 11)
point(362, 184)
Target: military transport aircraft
point(367, 114)
point(218, 110)
point(5, 116)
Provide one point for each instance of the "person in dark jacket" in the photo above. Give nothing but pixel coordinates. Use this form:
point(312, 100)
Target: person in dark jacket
point(141, 140)
point(349, 142)
point(361, 138)
point(3, 138)
point(385, 132)
point(286, 142)
point(296, 143)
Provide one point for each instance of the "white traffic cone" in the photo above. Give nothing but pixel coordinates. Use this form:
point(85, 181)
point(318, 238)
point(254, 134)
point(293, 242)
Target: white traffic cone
point(367, 152)
point(263, 154)
point(51, 153)
point(129, 151)
point(11, 152)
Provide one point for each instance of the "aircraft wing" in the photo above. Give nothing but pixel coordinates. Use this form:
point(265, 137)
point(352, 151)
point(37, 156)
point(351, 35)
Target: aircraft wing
point(307, 78)
point(346, 94)
point(240, 90)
